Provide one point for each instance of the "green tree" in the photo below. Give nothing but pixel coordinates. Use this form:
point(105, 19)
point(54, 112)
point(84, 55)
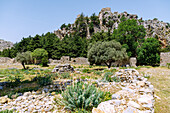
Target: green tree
point(166, 49)
point(101, 36)
point(148, 53)
point(94, 19)
point(24, 58)
point(130, 35)
point(40, 54)
point(106, 52)
point(73, 46)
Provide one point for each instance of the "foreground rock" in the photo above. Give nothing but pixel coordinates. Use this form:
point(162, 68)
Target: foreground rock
point(136, 95)
point(29, 102)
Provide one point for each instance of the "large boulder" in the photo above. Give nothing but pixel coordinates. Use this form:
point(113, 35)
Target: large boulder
point(4, 100)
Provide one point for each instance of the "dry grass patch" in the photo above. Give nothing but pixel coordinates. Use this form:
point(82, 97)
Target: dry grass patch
point(161, 80)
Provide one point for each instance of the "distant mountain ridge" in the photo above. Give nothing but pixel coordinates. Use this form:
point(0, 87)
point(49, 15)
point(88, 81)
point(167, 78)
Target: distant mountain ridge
point(154, 28)
point(5, 44)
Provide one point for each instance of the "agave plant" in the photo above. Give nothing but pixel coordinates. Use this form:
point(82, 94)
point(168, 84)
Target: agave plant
point(81, 96)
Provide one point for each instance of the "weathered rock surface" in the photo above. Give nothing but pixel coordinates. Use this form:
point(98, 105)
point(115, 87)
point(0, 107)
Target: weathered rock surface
point(63, 68)
point(5, 44)
point(29, 102)
point(136, 95)
point(154, 28)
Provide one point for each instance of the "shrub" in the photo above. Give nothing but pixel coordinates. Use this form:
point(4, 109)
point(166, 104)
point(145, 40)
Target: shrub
point(81, 111)
point(44, 80)
point(116, 79)
point(44, 61)
point(14, 79)
point(64, 75)
point(81, 95)
point(107, 96)
point(7, 111)
point(98, 72)
point(107, 77)
point(168, 64)
point(83, 77)
point(86, 71)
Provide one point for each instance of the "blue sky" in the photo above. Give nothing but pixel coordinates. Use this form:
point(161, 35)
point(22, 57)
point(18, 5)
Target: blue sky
point(21, 18)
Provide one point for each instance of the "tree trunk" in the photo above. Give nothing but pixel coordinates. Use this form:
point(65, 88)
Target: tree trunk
point(23, 65)
point(108, 65)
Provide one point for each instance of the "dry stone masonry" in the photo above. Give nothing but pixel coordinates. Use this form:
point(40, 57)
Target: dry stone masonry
point(136, 95)
point(164, 58)
point(67, 59)
point(63, 68)
point(133, 61)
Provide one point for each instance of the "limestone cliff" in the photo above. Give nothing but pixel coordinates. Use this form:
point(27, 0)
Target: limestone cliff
point(154, 28)
point(5, 44)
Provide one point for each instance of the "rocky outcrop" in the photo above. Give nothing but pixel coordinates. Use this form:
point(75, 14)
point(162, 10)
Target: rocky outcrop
point(5, 44)
point(154, 28)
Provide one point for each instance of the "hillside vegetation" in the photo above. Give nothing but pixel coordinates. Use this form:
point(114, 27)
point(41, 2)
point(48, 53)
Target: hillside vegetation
point(135, 35)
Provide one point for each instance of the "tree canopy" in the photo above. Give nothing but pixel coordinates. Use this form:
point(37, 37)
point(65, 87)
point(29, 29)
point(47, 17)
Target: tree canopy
point(148, 53)
point(40, 55)
point(24, 58)
point(106, 52)
point(129, 34)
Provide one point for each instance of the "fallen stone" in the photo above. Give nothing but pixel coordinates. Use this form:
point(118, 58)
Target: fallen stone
point(107, 107)
point(133, 104)
point(4, 100)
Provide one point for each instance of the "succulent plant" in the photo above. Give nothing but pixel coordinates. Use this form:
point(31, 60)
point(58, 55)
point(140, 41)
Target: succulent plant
point(81, 96)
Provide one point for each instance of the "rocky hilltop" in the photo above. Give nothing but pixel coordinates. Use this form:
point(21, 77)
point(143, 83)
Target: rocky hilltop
point(154, 28)
point(5, 44)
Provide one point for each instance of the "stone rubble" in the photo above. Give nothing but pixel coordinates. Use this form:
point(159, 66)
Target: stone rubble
point(136, 95)
point(63, 68)
point(29, 102)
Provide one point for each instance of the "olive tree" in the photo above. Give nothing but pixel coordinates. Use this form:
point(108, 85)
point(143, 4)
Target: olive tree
point(41, 55)
point(106, 52)
point(24, 58)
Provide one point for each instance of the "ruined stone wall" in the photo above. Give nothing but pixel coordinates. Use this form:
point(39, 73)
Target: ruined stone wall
point(5, 60)
point(80, 60)
point(67, 59)
point(164, 58)
point(133, 61)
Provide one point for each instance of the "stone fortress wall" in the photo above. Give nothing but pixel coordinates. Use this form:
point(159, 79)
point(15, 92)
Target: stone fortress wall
point(164, 58)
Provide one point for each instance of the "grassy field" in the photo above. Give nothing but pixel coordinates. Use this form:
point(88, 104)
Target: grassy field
point(160, 78)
